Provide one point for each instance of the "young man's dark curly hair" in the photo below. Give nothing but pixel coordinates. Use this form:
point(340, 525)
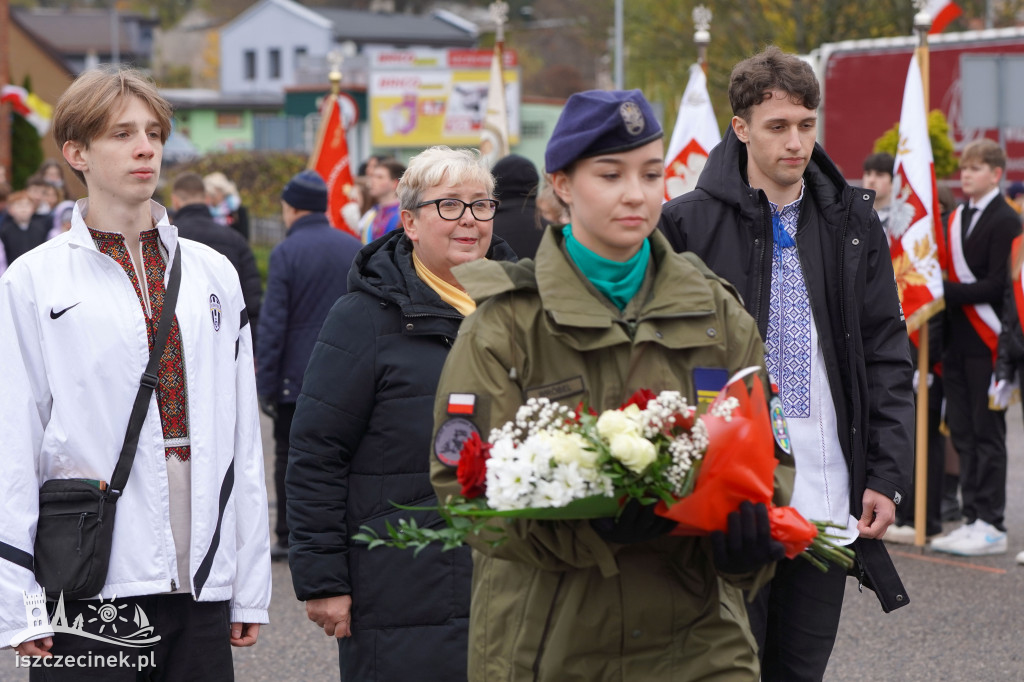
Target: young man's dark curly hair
point(754, 78)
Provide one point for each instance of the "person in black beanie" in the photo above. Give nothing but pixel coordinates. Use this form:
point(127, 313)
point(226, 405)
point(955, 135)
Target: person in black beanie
point(308, 273)
point(516, 181)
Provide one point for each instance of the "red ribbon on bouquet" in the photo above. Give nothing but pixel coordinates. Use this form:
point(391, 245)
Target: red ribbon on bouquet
point(739, 465)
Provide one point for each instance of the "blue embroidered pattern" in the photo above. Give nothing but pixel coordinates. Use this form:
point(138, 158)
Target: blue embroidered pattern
point(788, 346)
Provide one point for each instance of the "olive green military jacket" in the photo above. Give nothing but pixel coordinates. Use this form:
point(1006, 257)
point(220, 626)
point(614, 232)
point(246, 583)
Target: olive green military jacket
point(555, 601)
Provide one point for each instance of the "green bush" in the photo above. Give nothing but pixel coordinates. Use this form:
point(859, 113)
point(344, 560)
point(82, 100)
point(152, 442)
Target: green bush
point(942, 146)
point(259, 176)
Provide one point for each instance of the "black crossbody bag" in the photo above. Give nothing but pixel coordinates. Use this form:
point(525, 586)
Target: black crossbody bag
point(76, 516)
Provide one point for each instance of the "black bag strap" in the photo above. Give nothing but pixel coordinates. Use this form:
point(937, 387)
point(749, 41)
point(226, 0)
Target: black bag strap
point(149, 381)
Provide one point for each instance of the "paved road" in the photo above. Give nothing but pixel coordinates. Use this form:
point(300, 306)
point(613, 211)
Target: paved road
point(965, 621)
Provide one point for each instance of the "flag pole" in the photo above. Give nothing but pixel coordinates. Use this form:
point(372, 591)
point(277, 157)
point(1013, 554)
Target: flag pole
point(922, 24)
point(702, 36)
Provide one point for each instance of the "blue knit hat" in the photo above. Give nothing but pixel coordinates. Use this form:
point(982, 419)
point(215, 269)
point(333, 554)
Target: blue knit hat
point(307, 191)
point(600, 122)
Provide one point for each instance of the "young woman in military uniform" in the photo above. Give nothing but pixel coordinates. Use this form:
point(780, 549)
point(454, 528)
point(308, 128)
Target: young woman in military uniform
point(607, 308)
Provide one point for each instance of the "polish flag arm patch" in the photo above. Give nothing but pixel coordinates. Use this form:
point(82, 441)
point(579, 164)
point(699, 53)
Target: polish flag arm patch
point(461, 403)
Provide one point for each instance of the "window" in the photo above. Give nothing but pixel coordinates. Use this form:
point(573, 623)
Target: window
point(250, 65)
point(229, 119)
point(275, 63)
point(300, 52)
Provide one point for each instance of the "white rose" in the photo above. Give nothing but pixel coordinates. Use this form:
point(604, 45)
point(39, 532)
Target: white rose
point(615, 423)
point(633, 451)
point(567, 448)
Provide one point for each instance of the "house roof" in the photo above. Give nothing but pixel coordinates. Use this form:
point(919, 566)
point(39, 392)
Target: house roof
point(77, 31)
point(197, 98)
point(43, 46)
point(395, 29)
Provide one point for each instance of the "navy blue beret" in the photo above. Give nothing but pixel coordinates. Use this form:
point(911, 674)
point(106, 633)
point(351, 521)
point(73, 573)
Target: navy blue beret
point(600, 122)
point(306, 191)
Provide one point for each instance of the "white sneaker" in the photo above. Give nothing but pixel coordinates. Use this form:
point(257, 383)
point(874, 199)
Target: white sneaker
point(1020, 558)
point(901, 535)
point(983, 540)
point(953, 536)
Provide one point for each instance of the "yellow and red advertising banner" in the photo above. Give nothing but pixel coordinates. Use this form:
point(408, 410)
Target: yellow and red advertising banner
point(423, 97)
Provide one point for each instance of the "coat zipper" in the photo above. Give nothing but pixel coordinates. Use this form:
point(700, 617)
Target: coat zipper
point(760, 270)
point(842, 316)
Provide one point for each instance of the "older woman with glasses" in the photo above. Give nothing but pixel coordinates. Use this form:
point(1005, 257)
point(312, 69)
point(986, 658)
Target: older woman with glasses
point(360, 440)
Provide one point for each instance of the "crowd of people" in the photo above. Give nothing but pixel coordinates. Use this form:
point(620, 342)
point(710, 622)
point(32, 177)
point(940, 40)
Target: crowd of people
point(577, 283)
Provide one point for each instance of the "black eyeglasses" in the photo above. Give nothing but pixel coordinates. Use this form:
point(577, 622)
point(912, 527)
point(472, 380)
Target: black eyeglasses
point(452, 209)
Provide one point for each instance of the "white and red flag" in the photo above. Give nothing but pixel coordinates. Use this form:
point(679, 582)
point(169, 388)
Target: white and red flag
point(494, 134)
point(695, 134)
point(942, 12)
point(914, 228)
point(330, 159)
point(29, 106)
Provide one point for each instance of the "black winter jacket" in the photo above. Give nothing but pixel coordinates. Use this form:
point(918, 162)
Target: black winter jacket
point(308, 274)
point(845, 258)
point(360, 441)
point(195, 222)
point(515, 185)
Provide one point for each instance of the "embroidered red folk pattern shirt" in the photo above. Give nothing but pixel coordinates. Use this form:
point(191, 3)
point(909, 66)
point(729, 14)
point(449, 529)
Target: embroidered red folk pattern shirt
point(171, 392)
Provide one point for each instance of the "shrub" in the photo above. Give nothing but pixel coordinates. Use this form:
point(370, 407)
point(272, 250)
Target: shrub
point(259, 176)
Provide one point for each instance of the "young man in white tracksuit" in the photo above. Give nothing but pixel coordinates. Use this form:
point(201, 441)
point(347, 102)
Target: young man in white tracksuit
point(78, 317)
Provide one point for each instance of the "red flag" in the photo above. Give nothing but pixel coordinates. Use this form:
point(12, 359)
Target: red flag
point(942, 12)
point(916, 241)
point(695, 134)
point(330, 160)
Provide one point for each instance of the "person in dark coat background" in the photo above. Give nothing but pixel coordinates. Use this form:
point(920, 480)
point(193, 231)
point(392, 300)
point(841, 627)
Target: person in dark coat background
point(307, 274)
point(362, 429)
point(193, 219)
point(515, 185)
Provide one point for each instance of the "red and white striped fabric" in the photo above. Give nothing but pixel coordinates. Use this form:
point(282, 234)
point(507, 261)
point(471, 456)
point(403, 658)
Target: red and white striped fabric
point(916, 243)
point(29, 105)
point(942, 12)
point(982, 316)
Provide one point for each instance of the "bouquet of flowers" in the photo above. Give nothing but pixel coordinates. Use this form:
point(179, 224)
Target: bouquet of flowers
point(553, 462)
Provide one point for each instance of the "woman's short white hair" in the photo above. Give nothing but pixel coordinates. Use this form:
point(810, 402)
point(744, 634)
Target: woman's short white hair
point(438, 165)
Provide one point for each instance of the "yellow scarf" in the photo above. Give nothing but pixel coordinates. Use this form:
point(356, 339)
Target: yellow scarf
point(450, 294)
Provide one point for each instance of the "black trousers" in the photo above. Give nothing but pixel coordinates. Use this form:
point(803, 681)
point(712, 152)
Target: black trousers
point(194, 644)
point(979, 436)
point(795, 619)
point(282, 431)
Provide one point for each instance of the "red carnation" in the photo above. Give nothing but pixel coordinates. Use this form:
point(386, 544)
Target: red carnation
point(640, 399)
point(472, 471)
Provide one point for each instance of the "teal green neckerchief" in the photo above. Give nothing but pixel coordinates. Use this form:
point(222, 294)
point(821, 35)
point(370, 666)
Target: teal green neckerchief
point(619, 282)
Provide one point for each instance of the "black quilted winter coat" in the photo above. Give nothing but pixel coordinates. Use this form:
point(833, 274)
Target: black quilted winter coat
point(360, 440)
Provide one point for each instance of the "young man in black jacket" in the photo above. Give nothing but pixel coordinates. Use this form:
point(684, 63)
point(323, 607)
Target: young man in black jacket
point(979, 238)
point(773, 215)
point(194, 221)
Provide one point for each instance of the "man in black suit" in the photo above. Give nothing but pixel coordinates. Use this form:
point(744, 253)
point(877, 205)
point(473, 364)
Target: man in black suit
point(193, 219)
point(979, 238)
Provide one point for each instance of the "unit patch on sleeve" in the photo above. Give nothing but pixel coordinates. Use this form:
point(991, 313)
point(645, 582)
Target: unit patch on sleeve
point(780, 429)
point(450, 436)
point(708, 381)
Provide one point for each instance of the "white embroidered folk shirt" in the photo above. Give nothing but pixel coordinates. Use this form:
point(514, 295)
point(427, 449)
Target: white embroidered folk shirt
point(821, 490)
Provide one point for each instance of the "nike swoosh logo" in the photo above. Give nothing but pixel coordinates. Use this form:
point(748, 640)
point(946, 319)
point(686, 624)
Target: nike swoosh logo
point(55, 315)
